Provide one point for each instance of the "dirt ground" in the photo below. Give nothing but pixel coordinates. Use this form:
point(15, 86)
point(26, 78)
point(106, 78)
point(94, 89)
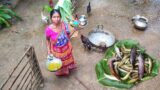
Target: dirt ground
point(114, 15)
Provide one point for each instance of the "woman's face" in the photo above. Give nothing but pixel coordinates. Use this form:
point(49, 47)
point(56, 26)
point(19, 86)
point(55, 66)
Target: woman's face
point(56, 18)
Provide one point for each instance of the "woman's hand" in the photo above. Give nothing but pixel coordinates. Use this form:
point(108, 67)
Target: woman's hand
point(49, 52)
point(73, 32)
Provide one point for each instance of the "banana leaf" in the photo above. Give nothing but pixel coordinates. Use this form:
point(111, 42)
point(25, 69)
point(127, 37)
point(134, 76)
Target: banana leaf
point(5, 16)
point(9, 11)
point(102, 68)
point(65, 7)
point(2, 20)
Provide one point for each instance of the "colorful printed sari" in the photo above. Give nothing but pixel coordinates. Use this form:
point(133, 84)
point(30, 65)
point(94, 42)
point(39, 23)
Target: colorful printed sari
point(62, 48)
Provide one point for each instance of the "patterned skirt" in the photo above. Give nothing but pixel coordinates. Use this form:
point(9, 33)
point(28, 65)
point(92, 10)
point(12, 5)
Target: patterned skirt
point(65, 54)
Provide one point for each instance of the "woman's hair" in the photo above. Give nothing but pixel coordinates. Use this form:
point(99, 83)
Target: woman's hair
point(55, 11)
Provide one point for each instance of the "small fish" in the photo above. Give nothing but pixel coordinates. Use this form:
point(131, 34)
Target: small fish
point(133, 80)
point(126, 76)
point(118, 52)
point(124, 49)
point(150, 65)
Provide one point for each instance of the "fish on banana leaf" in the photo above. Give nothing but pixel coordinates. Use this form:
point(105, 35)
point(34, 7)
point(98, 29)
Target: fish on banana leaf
point(133, 56)
point(112, 69)
point(140, 66)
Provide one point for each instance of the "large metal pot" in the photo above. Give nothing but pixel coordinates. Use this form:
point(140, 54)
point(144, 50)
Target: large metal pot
point(100, 37)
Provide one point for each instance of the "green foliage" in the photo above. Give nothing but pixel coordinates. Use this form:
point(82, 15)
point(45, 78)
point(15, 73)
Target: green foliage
point(7, 14)
point(47, 8)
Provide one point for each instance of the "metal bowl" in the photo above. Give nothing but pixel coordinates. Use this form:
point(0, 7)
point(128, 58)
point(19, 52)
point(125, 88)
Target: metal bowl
point(83, 20)
point(100, 37)
point(140, 22)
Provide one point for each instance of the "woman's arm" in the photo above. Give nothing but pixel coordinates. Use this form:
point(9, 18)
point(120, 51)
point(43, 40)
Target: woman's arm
point(48, 43)
point(73, 31)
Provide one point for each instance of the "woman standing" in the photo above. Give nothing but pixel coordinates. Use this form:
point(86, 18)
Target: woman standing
point(58, 42)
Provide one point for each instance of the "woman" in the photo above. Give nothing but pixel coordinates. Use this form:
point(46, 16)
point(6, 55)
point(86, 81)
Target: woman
point(58, 42)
